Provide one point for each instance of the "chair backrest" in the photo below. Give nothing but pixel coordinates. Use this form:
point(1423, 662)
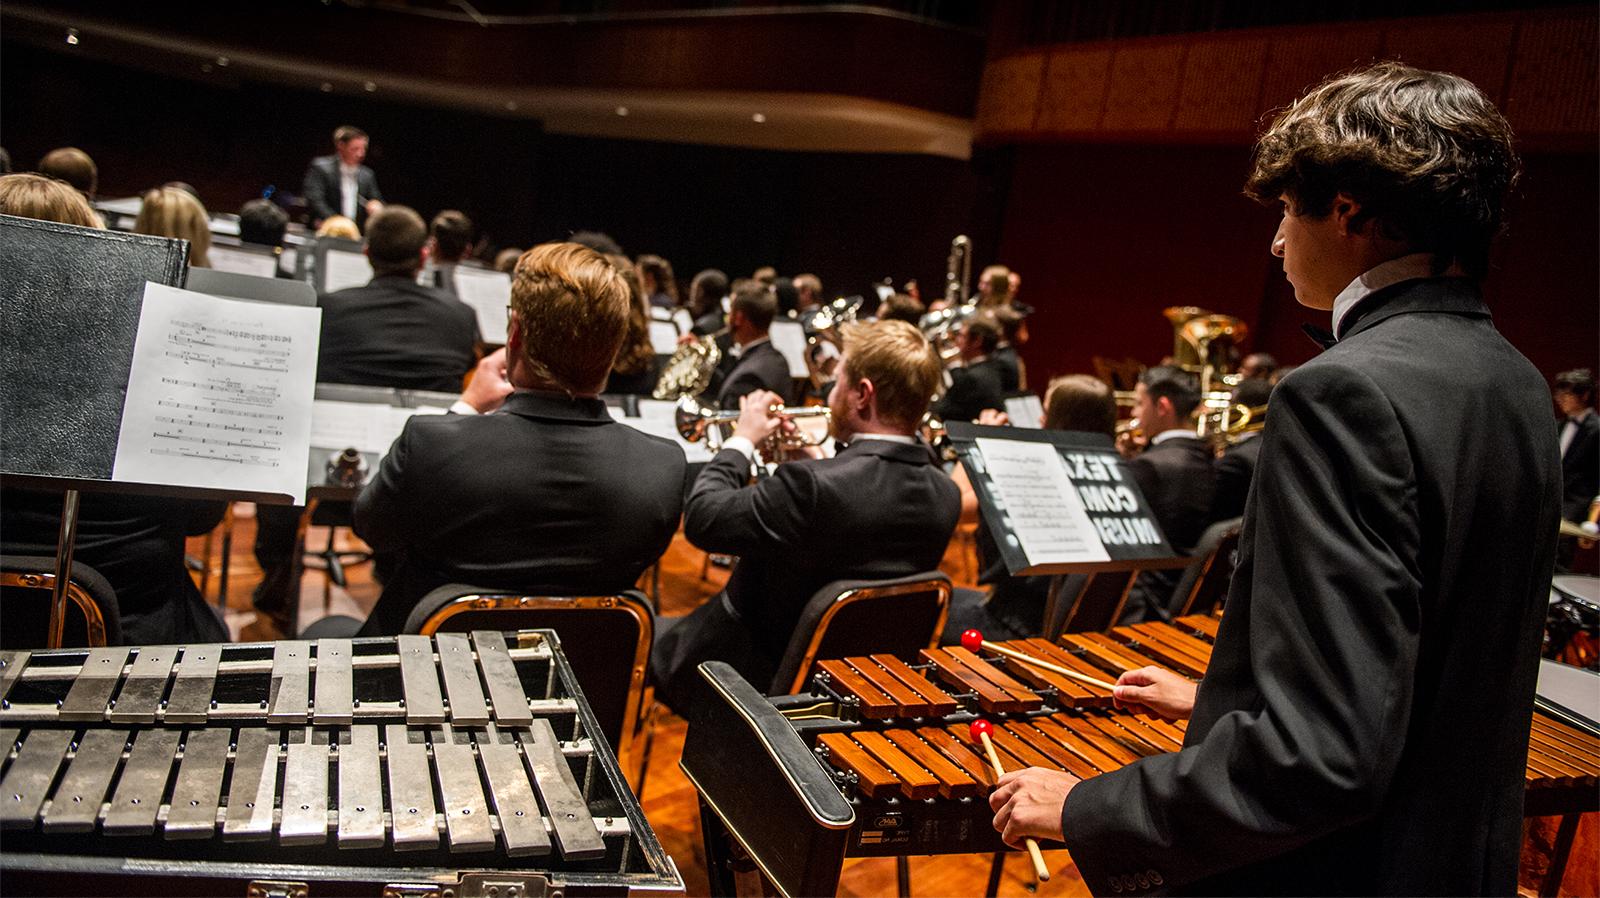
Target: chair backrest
point(26, 582)
point(864, 617)
point(606, 639)
point(1099, 603)
point(1205, 585)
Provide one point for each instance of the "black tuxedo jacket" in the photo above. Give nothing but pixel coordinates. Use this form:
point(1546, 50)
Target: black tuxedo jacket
point(548, 496)
point(137, 544)
point(1580, 469)
point(761, 367)
point(1235, 469)
point(973, 388)
point(395, 332)
point(1363, 726)
point(1009, 365)
point(323, 196)
point(874, 511)
point(1178, 478)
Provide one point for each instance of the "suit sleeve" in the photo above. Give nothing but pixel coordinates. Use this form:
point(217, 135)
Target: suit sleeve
point(315, 190)
point(383, 512)
point(724, 515)
point(372, 193)
point(1332, 649)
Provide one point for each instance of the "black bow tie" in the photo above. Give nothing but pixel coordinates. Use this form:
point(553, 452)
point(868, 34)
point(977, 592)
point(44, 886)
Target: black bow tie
point(1322, 338)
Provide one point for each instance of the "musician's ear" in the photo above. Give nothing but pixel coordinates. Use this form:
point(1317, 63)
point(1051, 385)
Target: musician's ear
point(869, 397)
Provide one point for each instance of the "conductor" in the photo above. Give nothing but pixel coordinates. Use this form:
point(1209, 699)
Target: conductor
point(340, 184)
point(1363, 726)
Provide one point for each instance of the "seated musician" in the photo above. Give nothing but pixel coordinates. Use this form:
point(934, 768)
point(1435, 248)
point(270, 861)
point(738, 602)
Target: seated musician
point(449, 244)
point(1579, 431)
point(1176, 473)
point(1363, 725)
point(135, 542)
point(1013, 333)
point(1236, 466)
point(546, 495)
point(880, 508)
point(976, 384)
point(752, 363)
point(394, 332)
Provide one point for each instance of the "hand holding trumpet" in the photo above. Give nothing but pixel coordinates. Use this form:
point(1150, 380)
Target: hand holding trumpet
point(760, 416)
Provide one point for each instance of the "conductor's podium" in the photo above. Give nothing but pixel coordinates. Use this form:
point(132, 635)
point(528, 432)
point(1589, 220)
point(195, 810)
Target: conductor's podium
point(452, 765)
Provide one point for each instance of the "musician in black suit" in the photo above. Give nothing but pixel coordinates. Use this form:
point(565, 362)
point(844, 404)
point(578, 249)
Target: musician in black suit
point(880, 508)
point(753, 362)
point(340, 184)
point(1013, 333)
point(546, 495)
point(394, 332)
point(1579, 431)
point(1175, 473)
point(1236, 466)
point(1363, 726)
point(977, 383)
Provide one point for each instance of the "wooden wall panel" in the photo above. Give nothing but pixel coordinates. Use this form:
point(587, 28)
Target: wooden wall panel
point(1075, 89)
point(1222, 86)
point(1550, 53)
point(1144, 88)
point(1009, 98)
point(1477, 51)
point(1302, 60)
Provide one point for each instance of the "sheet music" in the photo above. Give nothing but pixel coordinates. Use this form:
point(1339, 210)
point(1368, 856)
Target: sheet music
point(489, 294)
point(242, 261)
point(663, 337)
point(1045, 510)
point(1024, 411)
point(364, 426)
point(219, 394)
point(657, 418)
point(345, 270)
point(683, 319)
point(789, 338)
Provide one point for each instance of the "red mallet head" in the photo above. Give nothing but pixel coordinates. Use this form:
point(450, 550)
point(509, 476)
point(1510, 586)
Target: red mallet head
point(981, 728)
point(972, 640)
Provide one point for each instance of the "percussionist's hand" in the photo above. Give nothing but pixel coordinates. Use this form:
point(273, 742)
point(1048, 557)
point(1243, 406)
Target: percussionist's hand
point(756, 420)
point(489, 387)
point(1028, 803)
point(1156, 690)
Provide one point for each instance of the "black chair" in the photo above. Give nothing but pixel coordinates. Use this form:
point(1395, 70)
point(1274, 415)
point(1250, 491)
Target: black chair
point(605, 638)
point(864, 617)
point(1205, 585)
point(26, 582)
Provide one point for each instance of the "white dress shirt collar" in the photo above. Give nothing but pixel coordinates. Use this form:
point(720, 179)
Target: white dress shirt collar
point(1406, 268)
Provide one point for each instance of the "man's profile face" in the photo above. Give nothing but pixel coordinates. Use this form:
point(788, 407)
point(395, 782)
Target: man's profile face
point(1148, 410)
point(352, 151)
point(1307, 246)
point(839, 402)
point(1568, 402)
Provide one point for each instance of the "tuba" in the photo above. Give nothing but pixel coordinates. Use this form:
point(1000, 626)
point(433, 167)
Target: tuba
point(940, 326)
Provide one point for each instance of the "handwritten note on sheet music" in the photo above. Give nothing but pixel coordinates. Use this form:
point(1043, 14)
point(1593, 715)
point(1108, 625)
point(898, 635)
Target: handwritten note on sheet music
point(1045, 511)
point(489, 294)
point(220, 394)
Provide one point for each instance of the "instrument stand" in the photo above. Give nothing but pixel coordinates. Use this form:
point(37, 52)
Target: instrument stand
point(58, 590)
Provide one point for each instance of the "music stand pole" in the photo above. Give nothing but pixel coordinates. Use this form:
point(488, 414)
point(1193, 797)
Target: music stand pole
point(58, 590)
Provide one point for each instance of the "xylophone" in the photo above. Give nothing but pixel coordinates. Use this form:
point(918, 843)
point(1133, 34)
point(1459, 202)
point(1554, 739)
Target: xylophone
point(877, 759)
point(471, 760)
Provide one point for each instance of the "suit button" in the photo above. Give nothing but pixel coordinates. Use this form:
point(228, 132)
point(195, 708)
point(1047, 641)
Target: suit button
point(1155, 878)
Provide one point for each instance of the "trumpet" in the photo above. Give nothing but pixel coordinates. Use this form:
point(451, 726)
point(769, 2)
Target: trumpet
point(698, 422)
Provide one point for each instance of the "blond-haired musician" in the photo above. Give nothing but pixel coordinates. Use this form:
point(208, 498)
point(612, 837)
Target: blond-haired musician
point(547, 494)
point(880, 508)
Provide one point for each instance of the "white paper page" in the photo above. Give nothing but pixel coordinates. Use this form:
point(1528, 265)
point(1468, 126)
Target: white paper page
point(345, 270)
point(1024, 411)
point(789, 338)
point(683, 319)
point(226, 226)
point(343, 425)
point(125, 206)
point(657, 418)
point(489, 294)
point(219, 394)
point(658, 313)
point(239, 261)
point(664, 337)
point(291, 258)
point(1046, 514)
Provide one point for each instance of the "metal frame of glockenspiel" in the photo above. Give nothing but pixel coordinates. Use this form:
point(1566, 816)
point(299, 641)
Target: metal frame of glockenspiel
point(32, 857)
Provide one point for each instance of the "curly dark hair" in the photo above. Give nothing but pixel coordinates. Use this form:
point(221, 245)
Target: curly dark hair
point(1426, 154)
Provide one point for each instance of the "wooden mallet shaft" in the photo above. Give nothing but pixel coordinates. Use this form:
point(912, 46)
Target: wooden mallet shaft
point(1039, 869)
point(972, 640)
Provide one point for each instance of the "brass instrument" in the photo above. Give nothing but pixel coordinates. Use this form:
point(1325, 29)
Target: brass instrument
point(958, 271)
point(688, 372)
point(1203, 342)
point(940, 325)
point(698, 422)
